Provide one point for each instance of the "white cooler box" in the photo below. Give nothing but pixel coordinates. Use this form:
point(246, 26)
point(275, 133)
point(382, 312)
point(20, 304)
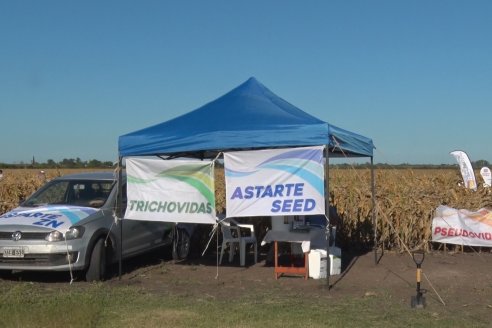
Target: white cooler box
point(317, 262)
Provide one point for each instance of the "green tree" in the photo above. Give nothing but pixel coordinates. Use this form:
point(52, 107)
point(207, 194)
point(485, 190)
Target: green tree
point(480, 163)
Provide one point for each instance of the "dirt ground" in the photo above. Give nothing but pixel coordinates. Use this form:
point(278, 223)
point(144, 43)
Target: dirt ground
point(454, 281)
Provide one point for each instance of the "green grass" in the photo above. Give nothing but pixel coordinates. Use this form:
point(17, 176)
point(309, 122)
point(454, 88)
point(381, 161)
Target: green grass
point(101, 305)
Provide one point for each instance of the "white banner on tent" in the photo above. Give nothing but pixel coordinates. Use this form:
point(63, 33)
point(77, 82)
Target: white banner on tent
point(275, 182)
point(487, 178)
point(466, 169)
point(462, 227)
point(171, 191)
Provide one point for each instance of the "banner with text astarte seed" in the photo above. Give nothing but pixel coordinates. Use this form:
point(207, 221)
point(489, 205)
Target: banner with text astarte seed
point(275, 182)
point(170, 190)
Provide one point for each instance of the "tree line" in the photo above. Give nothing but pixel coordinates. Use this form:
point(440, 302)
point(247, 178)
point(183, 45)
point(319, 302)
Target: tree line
point(476, 165)
point(73, 163)
point(66, 163)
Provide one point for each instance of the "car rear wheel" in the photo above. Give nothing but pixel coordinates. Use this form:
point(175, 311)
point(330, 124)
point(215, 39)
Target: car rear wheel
point(98, 262)
point(181, 245)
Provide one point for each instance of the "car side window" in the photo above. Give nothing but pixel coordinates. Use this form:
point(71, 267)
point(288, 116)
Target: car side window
point(90, 193)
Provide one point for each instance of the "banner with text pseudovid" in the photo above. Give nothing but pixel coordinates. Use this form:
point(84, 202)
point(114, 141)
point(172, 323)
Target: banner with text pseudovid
point(171, 191)
point(462, 226)
point(275, 182)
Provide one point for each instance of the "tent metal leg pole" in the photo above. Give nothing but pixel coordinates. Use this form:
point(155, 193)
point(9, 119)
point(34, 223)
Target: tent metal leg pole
point(327, 214)
point(374, 217)
point(119, 202)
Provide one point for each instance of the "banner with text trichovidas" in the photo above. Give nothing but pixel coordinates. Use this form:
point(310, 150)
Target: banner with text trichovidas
point(462, 227)
point(171, 191)
point(275, 182)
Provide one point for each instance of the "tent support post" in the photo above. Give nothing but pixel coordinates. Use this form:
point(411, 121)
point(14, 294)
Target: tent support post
point(327, 214)
point(119, 214)
point(374, 217)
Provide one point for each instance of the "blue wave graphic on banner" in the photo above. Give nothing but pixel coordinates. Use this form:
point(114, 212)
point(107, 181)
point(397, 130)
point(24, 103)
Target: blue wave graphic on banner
point(238, 174)
point(305, 164)
point(313, 155)
point(311, 178)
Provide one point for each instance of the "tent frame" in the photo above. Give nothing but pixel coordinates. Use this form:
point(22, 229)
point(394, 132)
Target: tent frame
point(256, 119)
point(119, 207)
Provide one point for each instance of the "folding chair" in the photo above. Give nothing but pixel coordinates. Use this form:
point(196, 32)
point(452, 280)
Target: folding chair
point(232, 237)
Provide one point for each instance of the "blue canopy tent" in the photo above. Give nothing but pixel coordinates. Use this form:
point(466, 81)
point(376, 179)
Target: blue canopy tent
point(248, 117)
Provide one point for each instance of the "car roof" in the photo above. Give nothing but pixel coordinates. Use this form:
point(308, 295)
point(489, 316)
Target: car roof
point(103, 175)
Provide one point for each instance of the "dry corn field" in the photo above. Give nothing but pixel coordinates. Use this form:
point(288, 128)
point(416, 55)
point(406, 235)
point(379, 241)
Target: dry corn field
point(405, 201)
point(18, 184)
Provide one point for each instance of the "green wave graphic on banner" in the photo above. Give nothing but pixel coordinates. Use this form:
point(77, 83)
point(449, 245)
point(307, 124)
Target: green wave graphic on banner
point(132, 179)
point(199, 179)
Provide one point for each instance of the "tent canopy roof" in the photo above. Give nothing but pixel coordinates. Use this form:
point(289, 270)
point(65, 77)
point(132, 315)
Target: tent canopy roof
point(248, 117)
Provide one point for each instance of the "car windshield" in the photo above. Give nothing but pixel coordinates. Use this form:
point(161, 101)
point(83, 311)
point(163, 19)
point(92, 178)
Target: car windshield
point(89, 193)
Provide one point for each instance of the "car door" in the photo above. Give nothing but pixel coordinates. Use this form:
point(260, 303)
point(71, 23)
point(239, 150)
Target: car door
point(139, 236)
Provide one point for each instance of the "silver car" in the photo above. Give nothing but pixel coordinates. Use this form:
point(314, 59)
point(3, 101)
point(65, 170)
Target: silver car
point(33, 236)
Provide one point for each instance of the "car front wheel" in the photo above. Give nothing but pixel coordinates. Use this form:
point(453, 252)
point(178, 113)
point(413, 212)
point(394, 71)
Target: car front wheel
point(98, 262)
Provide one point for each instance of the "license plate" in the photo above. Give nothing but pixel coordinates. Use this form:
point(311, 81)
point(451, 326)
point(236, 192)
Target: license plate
point(13, 252)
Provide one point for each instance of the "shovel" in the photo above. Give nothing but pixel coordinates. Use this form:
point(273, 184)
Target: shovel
point(418, 301)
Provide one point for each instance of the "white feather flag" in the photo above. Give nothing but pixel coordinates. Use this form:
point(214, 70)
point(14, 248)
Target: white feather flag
point(487, 178)
point(466, 169)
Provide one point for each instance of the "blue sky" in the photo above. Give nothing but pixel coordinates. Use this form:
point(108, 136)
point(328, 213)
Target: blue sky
point(415, 76)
